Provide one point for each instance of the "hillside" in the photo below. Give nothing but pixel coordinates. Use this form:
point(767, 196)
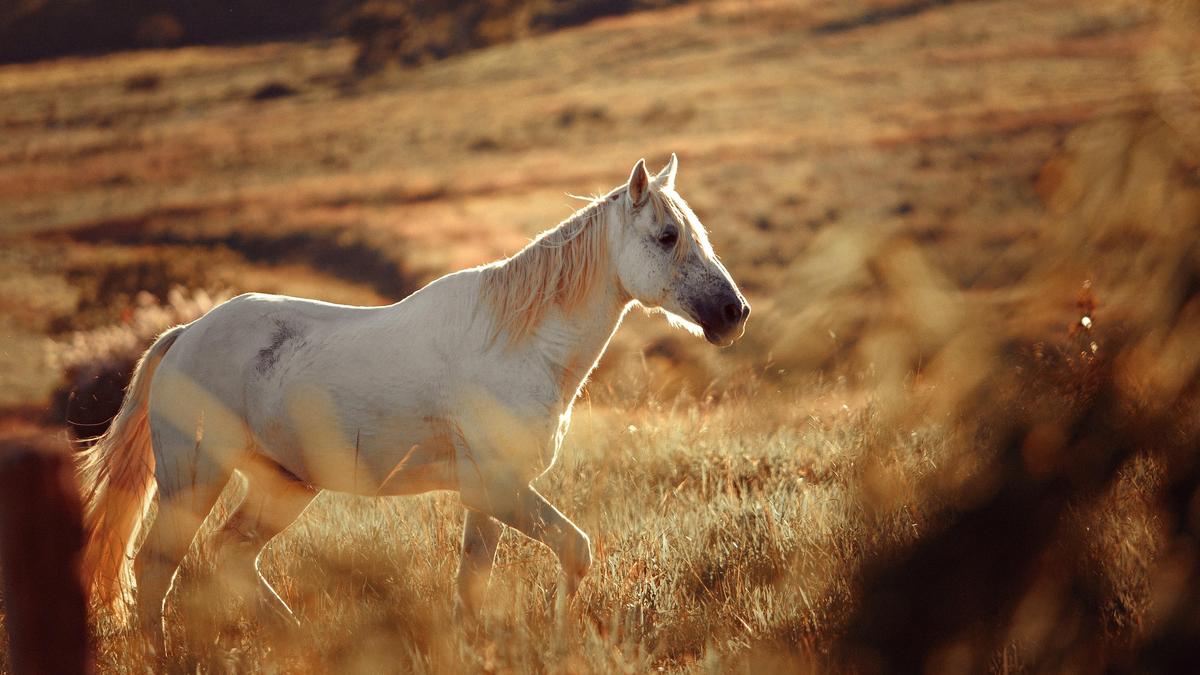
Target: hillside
point(808, 143)
point(958, 434)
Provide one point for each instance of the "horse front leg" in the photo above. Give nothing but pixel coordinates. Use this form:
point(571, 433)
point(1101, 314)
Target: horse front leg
point(481, 536)
point(523, 509)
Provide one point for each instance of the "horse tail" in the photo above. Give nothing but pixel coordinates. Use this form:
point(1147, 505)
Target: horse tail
point(116, 475)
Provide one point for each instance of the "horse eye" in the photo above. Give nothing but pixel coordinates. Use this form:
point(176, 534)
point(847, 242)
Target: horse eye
point(668, 237)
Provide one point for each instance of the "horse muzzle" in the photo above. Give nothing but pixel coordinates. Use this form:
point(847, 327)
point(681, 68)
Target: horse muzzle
point(724, 321)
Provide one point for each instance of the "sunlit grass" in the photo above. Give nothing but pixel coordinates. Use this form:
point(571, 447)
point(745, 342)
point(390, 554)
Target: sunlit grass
point(719, 532)
point(725, 536)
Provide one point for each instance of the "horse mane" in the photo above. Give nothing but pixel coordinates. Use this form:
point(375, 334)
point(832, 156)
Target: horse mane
point(562, 265)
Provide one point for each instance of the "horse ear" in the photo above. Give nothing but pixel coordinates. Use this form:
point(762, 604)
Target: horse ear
point(666, 177)
point(639, 183)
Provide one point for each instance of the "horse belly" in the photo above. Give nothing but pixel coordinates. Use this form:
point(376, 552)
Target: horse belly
point(355, 450)
point(424, 465)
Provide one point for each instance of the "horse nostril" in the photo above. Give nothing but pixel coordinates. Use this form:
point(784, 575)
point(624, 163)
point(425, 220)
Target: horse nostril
point(733, 313)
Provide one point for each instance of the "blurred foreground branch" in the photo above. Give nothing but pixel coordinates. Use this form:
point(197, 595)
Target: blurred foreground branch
point(41, 536)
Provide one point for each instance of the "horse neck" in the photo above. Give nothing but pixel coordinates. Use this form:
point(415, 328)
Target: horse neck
point(574, 341)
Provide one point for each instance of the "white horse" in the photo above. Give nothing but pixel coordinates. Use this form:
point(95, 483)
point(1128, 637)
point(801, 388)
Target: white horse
point(465, 385)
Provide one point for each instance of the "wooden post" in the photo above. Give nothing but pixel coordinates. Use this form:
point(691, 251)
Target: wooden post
point(41, 536)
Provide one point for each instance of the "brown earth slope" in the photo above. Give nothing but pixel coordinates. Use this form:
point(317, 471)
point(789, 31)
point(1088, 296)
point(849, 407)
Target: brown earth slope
point(810, 137)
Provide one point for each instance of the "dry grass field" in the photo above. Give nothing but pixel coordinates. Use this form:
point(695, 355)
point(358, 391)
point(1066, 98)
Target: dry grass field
point(958, 435)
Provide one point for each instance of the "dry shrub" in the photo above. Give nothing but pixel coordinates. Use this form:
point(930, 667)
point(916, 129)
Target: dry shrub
point(383, 31)
point(412, 33)
point(96, 365)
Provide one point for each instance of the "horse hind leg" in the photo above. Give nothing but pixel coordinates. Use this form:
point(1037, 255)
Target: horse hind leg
point(274, 500)
point(190, 479)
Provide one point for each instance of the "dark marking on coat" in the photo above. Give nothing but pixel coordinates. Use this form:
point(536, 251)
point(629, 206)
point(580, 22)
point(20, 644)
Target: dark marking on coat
point(269, 355)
